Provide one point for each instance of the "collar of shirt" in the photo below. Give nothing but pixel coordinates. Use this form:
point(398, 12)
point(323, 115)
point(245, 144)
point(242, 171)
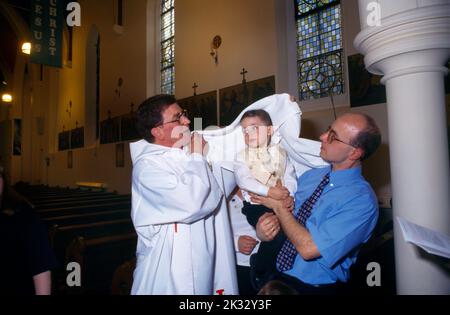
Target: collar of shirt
point(338, 178)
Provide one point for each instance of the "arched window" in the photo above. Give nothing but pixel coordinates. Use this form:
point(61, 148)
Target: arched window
point(168, 46)
point(319, 48)
point(92, 81)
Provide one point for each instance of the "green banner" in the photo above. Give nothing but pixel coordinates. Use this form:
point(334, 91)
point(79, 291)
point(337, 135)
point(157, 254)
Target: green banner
point(47, 18)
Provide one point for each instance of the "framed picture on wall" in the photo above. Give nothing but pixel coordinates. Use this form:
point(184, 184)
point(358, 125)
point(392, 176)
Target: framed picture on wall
point(64, 141)
point(234, 99)
point(17, 142)
point(110, 130)
point(202, 106)
point(77, 138)
point(365, 88)
point(128, 128)
point(120, 155)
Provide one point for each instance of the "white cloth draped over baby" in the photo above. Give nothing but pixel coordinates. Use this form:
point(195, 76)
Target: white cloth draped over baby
point(225, 143)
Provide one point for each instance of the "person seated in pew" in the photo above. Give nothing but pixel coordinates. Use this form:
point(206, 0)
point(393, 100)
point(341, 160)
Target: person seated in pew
point(27, 258)
point(335, 213)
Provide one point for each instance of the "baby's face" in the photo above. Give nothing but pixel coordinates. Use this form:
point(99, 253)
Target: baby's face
point(256, 133)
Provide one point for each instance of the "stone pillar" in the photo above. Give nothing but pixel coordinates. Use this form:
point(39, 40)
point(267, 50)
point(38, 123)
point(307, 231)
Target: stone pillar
point(409, 46)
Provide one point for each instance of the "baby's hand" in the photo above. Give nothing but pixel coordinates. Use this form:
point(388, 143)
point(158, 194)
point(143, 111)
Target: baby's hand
point(278, 193)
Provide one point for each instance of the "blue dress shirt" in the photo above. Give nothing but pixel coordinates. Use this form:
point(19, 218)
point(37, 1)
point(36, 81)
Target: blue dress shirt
point(341, 221)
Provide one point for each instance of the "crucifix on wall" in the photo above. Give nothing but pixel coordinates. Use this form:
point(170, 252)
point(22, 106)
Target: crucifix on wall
point(243, 73)
point(195, 86)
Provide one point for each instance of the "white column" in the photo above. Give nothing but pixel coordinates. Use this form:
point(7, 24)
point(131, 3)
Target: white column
point(410, 48)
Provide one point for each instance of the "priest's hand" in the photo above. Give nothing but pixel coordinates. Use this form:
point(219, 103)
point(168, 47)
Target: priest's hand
point(267, 227)
point(246, 244)
point(198, 144)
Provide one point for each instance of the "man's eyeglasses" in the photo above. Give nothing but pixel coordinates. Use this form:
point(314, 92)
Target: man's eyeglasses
point(332, 137)
point(183, 113)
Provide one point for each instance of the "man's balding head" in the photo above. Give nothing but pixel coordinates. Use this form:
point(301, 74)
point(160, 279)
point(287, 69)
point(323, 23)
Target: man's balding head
point(351, 138)
point(367, 135)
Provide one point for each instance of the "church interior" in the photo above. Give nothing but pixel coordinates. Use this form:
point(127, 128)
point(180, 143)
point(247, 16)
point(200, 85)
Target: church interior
point(70, 90)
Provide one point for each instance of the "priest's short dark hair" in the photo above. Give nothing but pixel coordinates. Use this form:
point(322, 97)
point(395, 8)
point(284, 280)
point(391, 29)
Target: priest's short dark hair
point(149, 114)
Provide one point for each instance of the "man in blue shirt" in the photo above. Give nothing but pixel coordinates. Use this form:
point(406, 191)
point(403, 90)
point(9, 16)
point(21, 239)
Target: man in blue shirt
point(335, 211)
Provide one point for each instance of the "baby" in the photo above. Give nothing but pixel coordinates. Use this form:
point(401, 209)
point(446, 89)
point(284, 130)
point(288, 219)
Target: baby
point(261, 164)
point(257, 169)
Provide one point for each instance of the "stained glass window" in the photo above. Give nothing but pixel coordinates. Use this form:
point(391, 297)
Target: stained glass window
point(168, 46)
point(319, 48)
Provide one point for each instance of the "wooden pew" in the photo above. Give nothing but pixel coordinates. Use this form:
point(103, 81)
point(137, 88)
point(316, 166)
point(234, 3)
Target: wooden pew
point(84, 209)
point(91, 228)
point(74, 203)
point(61, 236)
point(83, 198)
point(85, 218)
point(50, 196)
point(123, 278)
point(98, 259)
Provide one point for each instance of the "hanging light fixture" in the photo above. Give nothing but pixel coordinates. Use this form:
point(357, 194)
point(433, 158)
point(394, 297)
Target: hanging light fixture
point(26, 48)
point(7, 98)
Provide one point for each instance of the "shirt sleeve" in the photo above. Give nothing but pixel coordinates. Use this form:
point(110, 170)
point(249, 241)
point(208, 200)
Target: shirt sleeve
point(344, 229)
point(236, 241)
point(165, 195)
point(290, 178)
point(246, 181)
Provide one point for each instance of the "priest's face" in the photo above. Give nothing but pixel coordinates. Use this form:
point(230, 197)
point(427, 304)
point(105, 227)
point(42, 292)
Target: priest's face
point(256, 133)
point(175, 127)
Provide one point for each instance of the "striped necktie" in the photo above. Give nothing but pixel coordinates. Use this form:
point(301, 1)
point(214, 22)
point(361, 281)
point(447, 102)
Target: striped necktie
point(286, 256)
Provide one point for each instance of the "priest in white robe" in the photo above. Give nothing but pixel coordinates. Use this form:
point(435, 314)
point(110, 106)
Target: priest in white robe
point(174, 198)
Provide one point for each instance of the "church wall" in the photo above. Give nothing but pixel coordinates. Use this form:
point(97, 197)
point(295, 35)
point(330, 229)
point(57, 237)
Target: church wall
point(248, 36)
point(260, 36)
point(123, 55)
point(197, 22)
point(256, 34)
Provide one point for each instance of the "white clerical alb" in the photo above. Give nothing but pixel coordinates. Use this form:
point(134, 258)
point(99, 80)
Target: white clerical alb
point(173, 200)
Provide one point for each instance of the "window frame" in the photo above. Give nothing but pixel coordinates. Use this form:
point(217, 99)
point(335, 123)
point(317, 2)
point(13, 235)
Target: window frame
point(162, 41)
point(317, 101)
